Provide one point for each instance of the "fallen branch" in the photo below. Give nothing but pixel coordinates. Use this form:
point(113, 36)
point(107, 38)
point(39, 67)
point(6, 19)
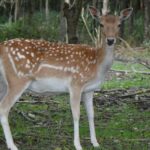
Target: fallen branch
point(145, 64)
point(129, 71)
point(135, 93)
point(25, 116)
point(38, 102)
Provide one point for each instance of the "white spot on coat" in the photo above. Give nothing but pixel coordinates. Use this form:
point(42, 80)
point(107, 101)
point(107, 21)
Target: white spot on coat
point(20, 56)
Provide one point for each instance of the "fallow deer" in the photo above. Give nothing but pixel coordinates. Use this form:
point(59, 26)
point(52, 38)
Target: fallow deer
point(42, 66)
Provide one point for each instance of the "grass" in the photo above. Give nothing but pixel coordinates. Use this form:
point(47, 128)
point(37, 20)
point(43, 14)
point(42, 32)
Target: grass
point(118, 127)
point(129, 80)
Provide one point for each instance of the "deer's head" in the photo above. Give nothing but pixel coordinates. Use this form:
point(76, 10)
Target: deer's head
point(110, 24)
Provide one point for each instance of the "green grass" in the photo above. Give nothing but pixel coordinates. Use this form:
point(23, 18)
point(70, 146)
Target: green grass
point(128, 80)
point(129, 66)
point(118, 127)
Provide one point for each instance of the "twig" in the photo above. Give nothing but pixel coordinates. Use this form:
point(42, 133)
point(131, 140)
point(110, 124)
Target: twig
point(135, 93)
point(84, 21)
point(105, 7)
point(37, 102)
point(126, 43)
point(145, 64)
point(25, 116)
point(109, 91)
point(128, 71)
point(98, 38)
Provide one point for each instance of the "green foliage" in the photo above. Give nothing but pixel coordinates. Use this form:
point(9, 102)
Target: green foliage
point(135, 37)
point(36, 27)
point(146, 43)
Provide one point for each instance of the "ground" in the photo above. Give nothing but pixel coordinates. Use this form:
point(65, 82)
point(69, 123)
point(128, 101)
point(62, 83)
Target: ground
point(122, 115)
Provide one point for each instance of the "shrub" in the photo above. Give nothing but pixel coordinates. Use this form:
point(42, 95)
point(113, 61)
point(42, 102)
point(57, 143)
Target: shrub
point(37, 28)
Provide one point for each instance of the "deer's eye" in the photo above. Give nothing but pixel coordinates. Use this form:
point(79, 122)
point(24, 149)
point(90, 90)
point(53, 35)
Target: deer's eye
point(101, 25)
point(119, 25)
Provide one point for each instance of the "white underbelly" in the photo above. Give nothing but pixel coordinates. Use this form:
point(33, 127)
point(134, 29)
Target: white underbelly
point(49, 85)
point(58, 85)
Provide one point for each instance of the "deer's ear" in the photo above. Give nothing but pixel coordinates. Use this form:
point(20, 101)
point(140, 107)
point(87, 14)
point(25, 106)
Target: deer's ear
point(125, 13)
point(94, 12)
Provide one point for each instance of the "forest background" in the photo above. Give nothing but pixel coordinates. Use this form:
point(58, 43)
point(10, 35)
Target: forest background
point(122, 108)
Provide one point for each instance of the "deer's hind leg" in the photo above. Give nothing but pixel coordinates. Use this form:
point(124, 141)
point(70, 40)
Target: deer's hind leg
point(14, 91)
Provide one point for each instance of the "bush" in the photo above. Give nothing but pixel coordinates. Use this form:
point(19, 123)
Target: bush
point(135, 37)
point(37, 28)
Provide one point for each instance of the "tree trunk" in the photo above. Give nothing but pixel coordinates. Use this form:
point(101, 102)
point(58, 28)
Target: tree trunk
point(131, 19)
point(47, 10)
point(63, 25)
point(72, 14)
point(16, 12)
point(147, 20)
point(31, 5)
point(105, 7)
point(10, 12)
point(123, 4)
point(94, 3)
point(41, 5)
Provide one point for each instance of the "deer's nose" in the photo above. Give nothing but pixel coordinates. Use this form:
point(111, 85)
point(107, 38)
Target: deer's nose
point(110, 41)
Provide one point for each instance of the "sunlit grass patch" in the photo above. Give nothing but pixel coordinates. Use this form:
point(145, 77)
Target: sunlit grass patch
point(128, 79)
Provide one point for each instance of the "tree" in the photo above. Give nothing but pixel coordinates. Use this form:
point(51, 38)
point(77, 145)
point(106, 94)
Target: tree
point(16, 12)
point(10, 12)
point(63, 24)
point(47, 9)
point(31, 7)
point(105, 7)
point(147, 20)
point(123, 4)
point(72, 13)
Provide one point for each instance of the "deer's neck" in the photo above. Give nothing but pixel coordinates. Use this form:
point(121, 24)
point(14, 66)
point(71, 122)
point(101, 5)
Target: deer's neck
point(109, 51)
point(106, 55)
point(104, 61)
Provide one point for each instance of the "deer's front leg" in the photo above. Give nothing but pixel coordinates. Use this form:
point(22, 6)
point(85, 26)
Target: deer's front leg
point(7, 132)
point(75, 98)
point(88, 101)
